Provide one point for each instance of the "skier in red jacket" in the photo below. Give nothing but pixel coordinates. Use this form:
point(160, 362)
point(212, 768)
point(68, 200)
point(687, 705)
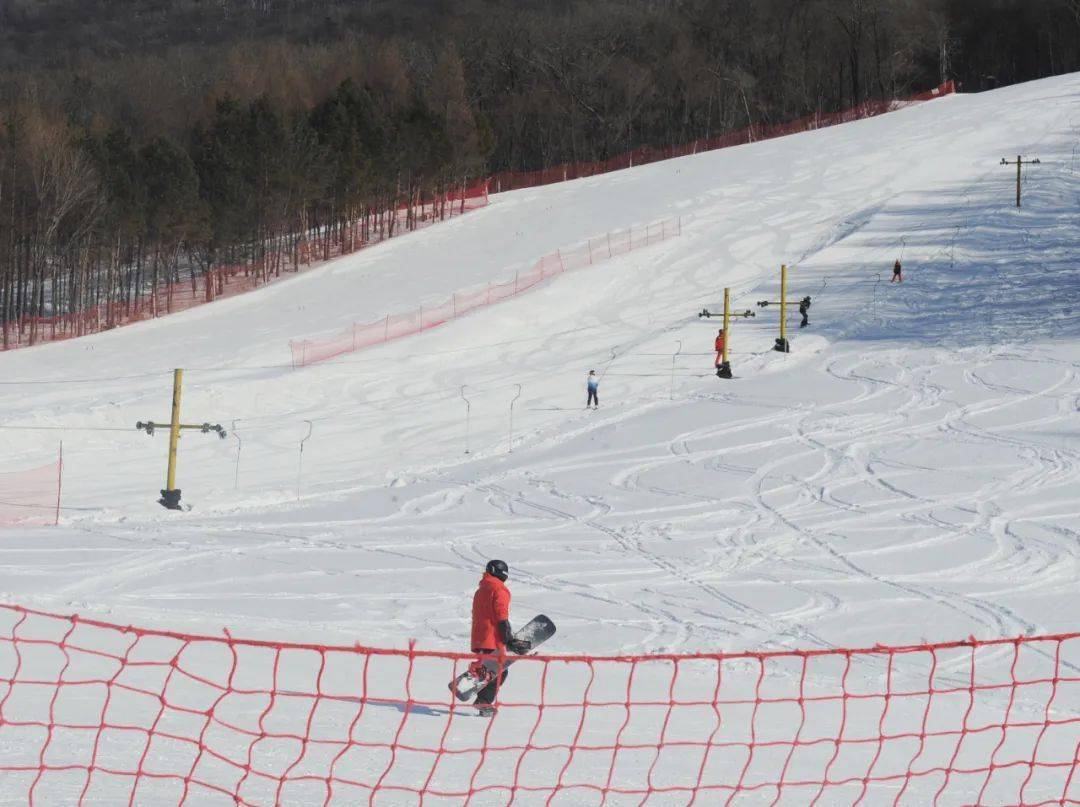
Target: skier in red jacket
point(719, 347)
point(491, 631)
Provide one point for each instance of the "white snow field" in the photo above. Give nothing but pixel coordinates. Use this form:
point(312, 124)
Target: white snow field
point(909, 473)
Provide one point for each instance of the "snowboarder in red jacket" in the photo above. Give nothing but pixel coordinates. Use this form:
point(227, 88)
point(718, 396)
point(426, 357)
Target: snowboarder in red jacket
point(719, 347)
point(491, 631)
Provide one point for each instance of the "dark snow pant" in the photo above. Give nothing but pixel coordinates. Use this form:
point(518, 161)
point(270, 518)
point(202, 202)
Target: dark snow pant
point(592, 398)
point(487, 694)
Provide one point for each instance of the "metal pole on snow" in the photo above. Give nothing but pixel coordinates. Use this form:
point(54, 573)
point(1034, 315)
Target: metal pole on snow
point(1019, 162)
point(59, 480)
point(512, 402)
point(468, 411)
point(724, 370)
point(300, 463)
point(170, 496)
point(678, 350)
point(239, 446)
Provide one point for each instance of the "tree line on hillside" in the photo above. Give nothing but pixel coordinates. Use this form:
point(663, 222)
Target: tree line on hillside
point(144, 139)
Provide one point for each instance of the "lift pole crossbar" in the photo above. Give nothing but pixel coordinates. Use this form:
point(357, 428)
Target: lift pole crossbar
point(205, 428)
point(706, 313)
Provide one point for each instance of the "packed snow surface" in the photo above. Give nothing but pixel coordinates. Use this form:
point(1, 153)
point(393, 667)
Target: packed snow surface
point(909, 472)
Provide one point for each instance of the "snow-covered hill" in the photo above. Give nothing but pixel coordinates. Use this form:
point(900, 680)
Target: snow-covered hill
point(910, 470)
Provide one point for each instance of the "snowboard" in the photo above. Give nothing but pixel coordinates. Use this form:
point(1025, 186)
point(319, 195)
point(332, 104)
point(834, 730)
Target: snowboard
point(482, 671)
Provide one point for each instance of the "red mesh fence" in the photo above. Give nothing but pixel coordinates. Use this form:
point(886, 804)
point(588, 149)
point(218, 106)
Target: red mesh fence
point(393, 326)
point(98, 713)
point(285, 255)
point(32, 496)
point(512, 180)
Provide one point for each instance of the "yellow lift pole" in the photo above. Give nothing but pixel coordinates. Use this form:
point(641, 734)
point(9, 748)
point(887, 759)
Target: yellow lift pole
point(170, 496)
point(174, 430)
point(723, 369)
point(782, 344)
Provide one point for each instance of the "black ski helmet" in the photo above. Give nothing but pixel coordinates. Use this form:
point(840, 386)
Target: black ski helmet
point(498, 568)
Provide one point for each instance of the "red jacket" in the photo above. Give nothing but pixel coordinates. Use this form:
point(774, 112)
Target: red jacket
point(719, 344)
point(490, 606)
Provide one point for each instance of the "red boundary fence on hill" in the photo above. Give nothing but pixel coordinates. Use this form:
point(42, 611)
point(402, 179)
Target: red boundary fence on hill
point(92, 712)
point(513, 180)
point(230, 280)
point(32, 496)
point(423, 318)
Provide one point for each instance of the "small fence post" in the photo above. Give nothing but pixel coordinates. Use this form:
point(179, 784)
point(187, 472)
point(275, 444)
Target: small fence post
point(468, 411)
point(59, 480)
point(239, 446)
point(386, 329)
point(300, 464)
point(678, 350)
point(510, 449)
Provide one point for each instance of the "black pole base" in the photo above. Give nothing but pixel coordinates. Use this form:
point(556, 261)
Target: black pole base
point(782, 346)
point(723, 370)
point(170, 499)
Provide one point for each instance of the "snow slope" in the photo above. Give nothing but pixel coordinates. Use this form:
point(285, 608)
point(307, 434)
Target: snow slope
point(908, 472)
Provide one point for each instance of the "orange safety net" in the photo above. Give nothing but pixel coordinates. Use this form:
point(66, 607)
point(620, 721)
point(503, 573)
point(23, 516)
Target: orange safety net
point(92, 712)
point(422, 318)
point(31, 497)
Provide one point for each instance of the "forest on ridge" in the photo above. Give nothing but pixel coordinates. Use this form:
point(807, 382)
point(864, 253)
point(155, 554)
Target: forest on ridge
point(146, 140)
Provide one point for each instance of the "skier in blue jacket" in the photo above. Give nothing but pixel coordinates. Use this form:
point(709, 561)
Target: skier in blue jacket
point(593, 385)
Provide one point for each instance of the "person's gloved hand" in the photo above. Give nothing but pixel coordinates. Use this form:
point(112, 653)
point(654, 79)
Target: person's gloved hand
point(519, 646)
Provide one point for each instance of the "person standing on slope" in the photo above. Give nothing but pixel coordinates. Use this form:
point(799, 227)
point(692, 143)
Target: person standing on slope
point(491, 632)
point(593, 384)
point(897, 273)
point(719, 345)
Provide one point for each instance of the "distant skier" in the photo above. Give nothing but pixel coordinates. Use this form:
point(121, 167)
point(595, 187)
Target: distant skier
point(491, 632)
point(897, 274)
point(593, 384)
point(804, 309)
point(719, 345)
